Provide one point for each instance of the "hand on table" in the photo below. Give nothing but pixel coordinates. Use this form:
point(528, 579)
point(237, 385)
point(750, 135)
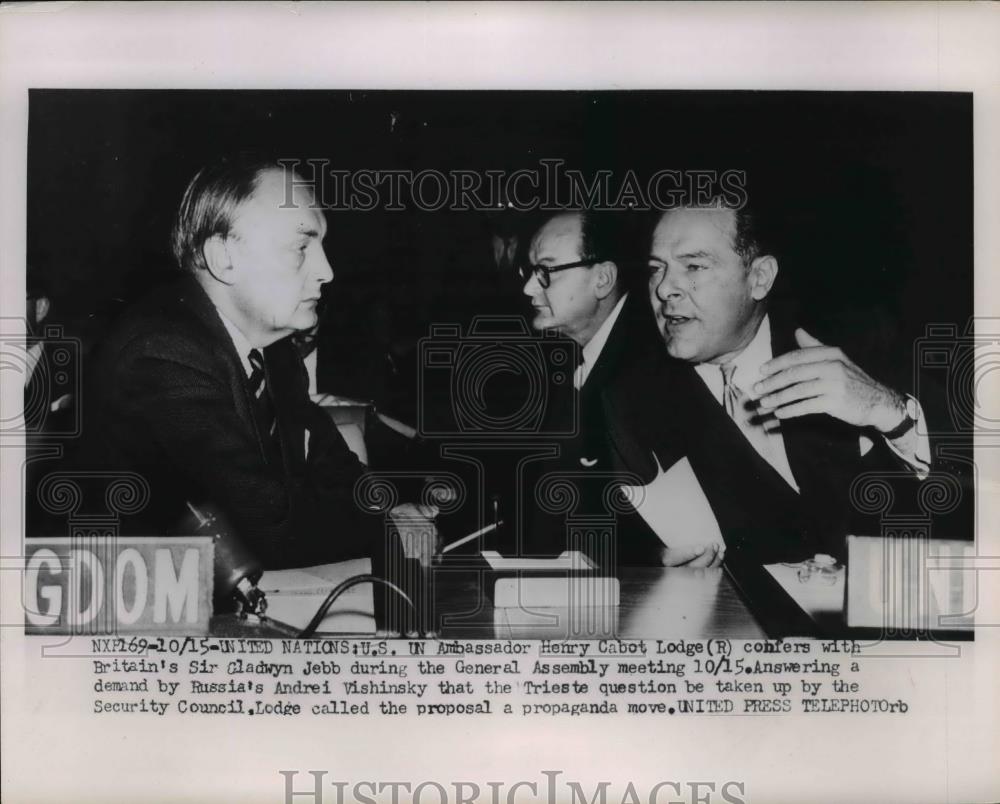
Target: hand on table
point(702, 556)
point(417, 531)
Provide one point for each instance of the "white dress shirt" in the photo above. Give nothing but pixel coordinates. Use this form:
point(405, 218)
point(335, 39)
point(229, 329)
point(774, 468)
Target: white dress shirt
point(748, 364)
point(913, 448)
point(243, 346)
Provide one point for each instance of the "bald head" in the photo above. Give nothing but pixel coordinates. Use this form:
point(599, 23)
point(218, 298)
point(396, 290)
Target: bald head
point(568, 297)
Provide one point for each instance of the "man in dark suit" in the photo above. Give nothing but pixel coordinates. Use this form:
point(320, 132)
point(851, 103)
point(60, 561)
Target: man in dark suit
point(578, 283)
point(201, 390)
point(776, 425)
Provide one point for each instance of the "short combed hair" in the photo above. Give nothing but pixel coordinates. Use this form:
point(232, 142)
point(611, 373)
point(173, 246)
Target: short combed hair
point(747, 241)
point(749, 236)
point(614, 235)
point(210, 201)
point(599, 236)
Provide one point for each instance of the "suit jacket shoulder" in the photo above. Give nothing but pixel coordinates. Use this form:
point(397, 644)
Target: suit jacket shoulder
point(169, 399)
point(670, 413)
point(587, 461)
point(633, 339)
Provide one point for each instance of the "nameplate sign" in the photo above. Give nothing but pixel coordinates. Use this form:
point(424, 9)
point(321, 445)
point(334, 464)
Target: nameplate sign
point(107, 585)
point(908, 586)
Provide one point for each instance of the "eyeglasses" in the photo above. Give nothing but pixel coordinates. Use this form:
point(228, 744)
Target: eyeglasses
point(543, 272)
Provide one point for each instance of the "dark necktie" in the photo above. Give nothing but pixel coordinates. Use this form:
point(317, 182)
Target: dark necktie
point(266, 419)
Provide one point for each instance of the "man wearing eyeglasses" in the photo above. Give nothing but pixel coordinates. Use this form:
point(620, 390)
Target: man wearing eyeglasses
point(574, 288)
point(577, 281)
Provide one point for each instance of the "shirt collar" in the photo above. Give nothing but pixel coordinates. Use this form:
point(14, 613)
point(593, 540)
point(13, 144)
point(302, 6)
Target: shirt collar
point(243, 346)
point(748, 364)
point(750, 361)
point(595, 345)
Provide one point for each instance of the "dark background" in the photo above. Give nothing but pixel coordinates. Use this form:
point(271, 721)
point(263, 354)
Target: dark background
point(873, 191)
point(868, 195)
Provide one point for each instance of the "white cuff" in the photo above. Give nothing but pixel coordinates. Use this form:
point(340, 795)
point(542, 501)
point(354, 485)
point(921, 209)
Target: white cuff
point(913, 447)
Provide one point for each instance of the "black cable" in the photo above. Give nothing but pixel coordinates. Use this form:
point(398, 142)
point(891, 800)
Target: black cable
point(336, 592)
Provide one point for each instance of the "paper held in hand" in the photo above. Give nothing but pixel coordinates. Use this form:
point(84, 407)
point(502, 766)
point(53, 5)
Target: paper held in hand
point(675, 508)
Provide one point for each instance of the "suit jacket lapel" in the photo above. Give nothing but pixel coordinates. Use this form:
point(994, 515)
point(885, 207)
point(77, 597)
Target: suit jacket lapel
point(198, 302)
point(288, 386)
point(678, 413)
point(633, 339)
point(815, 445)
point(632, 332)
point(639, 418)
point(722, 442)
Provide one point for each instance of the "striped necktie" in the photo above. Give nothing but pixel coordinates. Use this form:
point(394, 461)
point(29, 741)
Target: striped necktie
point(762, 432)
point(266, 419)
point(732, 396)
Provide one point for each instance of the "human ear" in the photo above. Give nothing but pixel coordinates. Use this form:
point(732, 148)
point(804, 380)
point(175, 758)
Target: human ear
point(763, 272)
point(41, 308)
point(605, 278)
point(217, 259)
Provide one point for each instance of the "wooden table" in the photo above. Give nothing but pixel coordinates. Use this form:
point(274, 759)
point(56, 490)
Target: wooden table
point(655, 602)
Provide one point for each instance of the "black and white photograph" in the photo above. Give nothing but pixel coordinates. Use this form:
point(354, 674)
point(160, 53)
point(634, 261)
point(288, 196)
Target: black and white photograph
point(633, 351)
point(426, 408)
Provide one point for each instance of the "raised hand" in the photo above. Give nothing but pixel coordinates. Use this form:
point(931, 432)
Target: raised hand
point(821, 379)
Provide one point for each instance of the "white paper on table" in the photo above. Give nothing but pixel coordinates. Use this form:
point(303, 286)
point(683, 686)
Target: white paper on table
point(568, 561)
point(295, 595)
point(674, 505)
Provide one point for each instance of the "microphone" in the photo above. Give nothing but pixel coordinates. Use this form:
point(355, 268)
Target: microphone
point(237, 570)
